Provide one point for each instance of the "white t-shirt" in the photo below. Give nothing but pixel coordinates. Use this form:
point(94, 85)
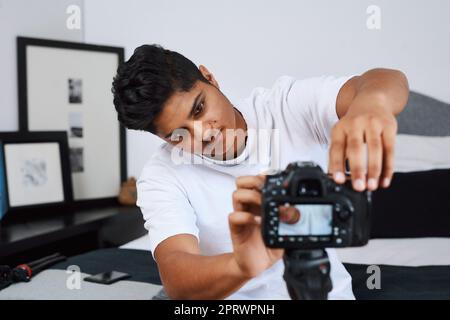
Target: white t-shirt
point(194, 196)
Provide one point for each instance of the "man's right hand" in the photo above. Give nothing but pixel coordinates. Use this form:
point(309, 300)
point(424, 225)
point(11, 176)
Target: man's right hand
point(187, 274)
point(250, 253)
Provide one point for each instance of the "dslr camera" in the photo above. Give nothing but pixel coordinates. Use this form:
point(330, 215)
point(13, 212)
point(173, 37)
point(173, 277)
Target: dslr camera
point(325, 214)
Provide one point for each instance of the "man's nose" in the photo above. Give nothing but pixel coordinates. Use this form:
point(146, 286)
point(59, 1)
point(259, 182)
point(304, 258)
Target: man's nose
point(202, 131)
point(197, 130)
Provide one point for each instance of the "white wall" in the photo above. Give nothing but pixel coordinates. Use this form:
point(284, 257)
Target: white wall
point(40, 19)
point(250, 43)
point(247, 43)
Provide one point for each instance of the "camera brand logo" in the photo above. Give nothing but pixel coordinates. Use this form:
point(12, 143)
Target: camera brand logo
point(73, 281)
point(73, 21)
point(373, 21)
point(374, 280)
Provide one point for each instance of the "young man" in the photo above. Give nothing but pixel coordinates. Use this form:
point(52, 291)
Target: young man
point(203, 215)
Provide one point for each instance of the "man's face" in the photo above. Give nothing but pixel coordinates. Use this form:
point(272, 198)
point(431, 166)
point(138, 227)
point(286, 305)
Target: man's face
point(202, 121)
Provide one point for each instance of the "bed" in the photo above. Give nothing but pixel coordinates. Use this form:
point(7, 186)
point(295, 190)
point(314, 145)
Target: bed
point(411, 227)
point(410, 230)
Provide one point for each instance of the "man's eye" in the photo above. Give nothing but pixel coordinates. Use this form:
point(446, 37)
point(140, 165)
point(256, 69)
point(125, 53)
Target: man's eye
point(198, 109)
point(176, 137)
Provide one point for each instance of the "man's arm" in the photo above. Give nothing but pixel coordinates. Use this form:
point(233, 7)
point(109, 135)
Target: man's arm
point(186, 274)
point(376, 88)
point(366, 106)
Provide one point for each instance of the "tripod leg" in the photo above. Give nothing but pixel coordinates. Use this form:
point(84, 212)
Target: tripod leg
point(307, 274)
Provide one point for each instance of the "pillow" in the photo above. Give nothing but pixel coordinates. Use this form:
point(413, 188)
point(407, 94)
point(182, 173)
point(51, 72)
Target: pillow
point(424, 116)
point(411, 252)
point(420, 153)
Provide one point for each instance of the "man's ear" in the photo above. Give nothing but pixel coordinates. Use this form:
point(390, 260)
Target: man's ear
point(208, 76)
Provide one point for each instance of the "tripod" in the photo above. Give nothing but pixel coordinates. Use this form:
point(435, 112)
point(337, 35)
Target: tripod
point(24, 272)
point(307, 274)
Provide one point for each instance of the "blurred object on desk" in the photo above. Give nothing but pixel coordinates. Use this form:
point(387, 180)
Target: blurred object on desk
point(128, 192)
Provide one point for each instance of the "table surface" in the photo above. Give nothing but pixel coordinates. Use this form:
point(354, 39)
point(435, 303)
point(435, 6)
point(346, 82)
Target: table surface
point(36, 231)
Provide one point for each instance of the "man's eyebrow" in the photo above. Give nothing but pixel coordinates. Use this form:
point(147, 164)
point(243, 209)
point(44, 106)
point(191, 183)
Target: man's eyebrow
point(191, 112)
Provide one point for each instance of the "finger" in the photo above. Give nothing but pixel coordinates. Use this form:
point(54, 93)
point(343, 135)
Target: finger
point(388, 138)
point(375, 157)
point(244, 197)
point(289, 215)
point(336, 155)
point(355, 153)
point(250, 182)
point(239, 220)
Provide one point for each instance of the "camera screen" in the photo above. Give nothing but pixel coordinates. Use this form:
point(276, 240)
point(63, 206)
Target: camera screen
point(305, 219)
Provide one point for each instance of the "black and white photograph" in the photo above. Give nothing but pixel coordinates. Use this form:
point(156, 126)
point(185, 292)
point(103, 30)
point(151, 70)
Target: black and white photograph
point(75, 90)
point(76, 124)
point(76, 159)
point(76, 97)
point(34, 173)
point(33, 168)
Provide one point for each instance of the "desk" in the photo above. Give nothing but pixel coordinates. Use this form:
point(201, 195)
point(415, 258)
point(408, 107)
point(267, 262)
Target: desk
point(69, 233)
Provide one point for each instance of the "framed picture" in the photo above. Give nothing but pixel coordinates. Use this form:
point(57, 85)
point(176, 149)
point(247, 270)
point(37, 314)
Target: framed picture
point(67, 86)
point(34, 171)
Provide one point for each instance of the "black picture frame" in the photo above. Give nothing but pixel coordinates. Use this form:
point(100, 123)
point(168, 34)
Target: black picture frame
point(59, 137)
point(22, 44)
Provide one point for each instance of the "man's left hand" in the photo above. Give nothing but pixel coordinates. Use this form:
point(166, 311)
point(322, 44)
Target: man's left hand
point(374, 127)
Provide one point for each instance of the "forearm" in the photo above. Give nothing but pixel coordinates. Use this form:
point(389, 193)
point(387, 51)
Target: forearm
point(384, 89)
point(192, 276)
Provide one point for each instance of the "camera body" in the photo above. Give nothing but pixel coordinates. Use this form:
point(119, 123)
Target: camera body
point(331, 215)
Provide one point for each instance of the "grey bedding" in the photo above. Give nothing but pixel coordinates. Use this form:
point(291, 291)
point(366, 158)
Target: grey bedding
point(424, 116)
point(398, 282)
point(57, 283)
point(52, 285)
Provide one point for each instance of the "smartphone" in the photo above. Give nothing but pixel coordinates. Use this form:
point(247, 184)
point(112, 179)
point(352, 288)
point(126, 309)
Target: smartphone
point(107, 277)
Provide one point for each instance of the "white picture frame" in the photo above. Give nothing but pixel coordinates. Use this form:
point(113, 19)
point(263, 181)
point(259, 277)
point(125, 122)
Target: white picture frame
point(67, 86)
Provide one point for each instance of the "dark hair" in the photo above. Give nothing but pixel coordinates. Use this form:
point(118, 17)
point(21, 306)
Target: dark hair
point(146, 81)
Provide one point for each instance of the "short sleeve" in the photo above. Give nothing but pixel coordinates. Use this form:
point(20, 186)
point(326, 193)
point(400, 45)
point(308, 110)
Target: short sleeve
point(164, 205)
point(312, 102)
